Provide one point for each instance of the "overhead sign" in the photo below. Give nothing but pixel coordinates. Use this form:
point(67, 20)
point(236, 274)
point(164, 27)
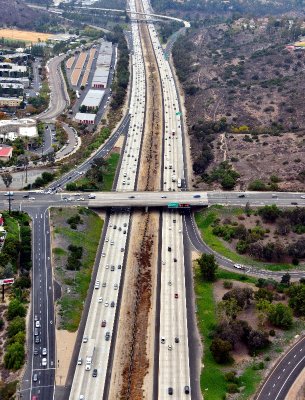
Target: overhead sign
point(178, 205)
point(7, 281)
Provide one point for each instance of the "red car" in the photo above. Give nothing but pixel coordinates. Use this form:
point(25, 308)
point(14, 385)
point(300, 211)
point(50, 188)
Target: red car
point(176, 296)
point(103, 324)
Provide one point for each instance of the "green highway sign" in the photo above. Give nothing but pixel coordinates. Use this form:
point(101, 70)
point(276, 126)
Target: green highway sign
point(173, 205)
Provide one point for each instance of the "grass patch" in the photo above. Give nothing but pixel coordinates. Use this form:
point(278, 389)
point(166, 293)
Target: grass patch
point(205, 219)
point(250, 380)
point(71, 304)
point(59, 252)
point(212, 381)
point(224, 274)
point(113, 161)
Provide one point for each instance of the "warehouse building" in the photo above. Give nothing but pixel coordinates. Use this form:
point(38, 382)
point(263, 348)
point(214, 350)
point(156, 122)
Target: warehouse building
point(13, 128)
point(85, 118)
point(103, 63)
point(8, 69)
point(10, 101)
point(92, 100)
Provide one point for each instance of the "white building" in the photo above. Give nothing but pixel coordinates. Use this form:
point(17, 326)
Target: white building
point(85, 118)
point(13, 128)
point(93, 99)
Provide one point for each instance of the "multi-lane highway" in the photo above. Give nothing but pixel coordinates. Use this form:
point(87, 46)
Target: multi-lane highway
point(103, 306)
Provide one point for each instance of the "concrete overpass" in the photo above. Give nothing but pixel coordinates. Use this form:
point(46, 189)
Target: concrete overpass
point(149, 199)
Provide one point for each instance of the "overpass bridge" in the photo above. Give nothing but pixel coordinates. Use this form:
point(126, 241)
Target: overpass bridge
point(173, 200)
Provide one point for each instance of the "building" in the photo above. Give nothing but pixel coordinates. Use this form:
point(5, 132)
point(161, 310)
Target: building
point(23, 80)
point(13, 128)
point(10, 101)
point(103, 63)
point(11, 89)
point(9, 69)
point(5, 153)
point(85, 118)
point(93, 99)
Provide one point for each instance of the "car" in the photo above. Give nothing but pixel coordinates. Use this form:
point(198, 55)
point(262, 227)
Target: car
point(163, 197)
point(115, 286)
point(112, 268)
point(112, 243)
point(107, 266)
point(175, 259)
point(44, 351)
point(9, 194)
point(97, 285)
point(100, 300)
point(106, 304)
point(34, 398)
point(169, 248)
point(274, 195)
point(44, 362)
point(36, 352)
point(122, 249)
point(81, 397)
point(36, 332)
point(303, 196)
point(32, 198)
point(37, 340)
point(131, 197)
point(37, 324)
point(238, 266)
point(35, 377)
point(196, 196)
point(94, 373)
point(104, 284)
point(176, 295)
point(170, 347)
point(124, 232)
point(103, 324)
point(25, 196)
point(79, 361)
point(103, 254)
point(112, 304)
point(294, 203)
point(85, 339)
point(170, 391)
point(186, 389)
point(107, 240)
point(119, 266)
point(35, 317)
point(107, 336)
point(241, 195)
point(177, 340)
point(114, 226)
point(162, 339)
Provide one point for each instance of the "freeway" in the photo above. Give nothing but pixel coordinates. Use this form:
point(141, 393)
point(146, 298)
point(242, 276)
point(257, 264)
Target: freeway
point(104, 301)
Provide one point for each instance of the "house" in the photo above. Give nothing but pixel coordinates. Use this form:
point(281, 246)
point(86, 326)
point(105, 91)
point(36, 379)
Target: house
point(6, 153)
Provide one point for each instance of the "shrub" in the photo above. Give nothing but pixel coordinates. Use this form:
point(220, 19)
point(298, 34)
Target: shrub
point(15, 308)
point(232, 388)
point(227, 284)
point(14, 356)
point(15, 326)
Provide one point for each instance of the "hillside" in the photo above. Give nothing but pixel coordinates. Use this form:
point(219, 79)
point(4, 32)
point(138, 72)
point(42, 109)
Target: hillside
point(15, 13)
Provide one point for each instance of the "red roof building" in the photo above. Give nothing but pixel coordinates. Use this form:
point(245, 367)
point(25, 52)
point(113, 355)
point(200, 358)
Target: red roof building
point(6, 153)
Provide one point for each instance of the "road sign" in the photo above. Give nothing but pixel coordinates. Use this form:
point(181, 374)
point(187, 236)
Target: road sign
point(178, 205)
point(6, 281)
point(178, 113)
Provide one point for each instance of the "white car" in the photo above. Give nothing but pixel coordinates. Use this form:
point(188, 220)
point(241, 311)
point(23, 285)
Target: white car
point(303, 197)
point(44, 362)
point(85, 339)
point(238, 266)
point(106, 304)
point(37, 324)
point(100, 300)
point(44, 351)
point(115, 286)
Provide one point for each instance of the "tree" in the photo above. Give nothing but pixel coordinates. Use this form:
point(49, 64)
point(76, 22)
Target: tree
point(15, 308)
point(280, 315)
point(285, 279)
point(208, 267)
point(297, 299)
point(263, 294)
point(241, 295)
point(7, 179)
point(270, 213)
point(221, 350)
point(257, 341)
point(14, 356)
point(15, 326)
point(228, 309)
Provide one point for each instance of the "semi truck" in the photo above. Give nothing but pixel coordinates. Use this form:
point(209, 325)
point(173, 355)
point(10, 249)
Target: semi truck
point(89, 353)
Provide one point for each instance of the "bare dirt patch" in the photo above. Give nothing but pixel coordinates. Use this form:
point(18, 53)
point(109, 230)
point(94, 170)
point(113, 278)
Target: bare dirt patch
point(28, 36)
point(64, 349)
